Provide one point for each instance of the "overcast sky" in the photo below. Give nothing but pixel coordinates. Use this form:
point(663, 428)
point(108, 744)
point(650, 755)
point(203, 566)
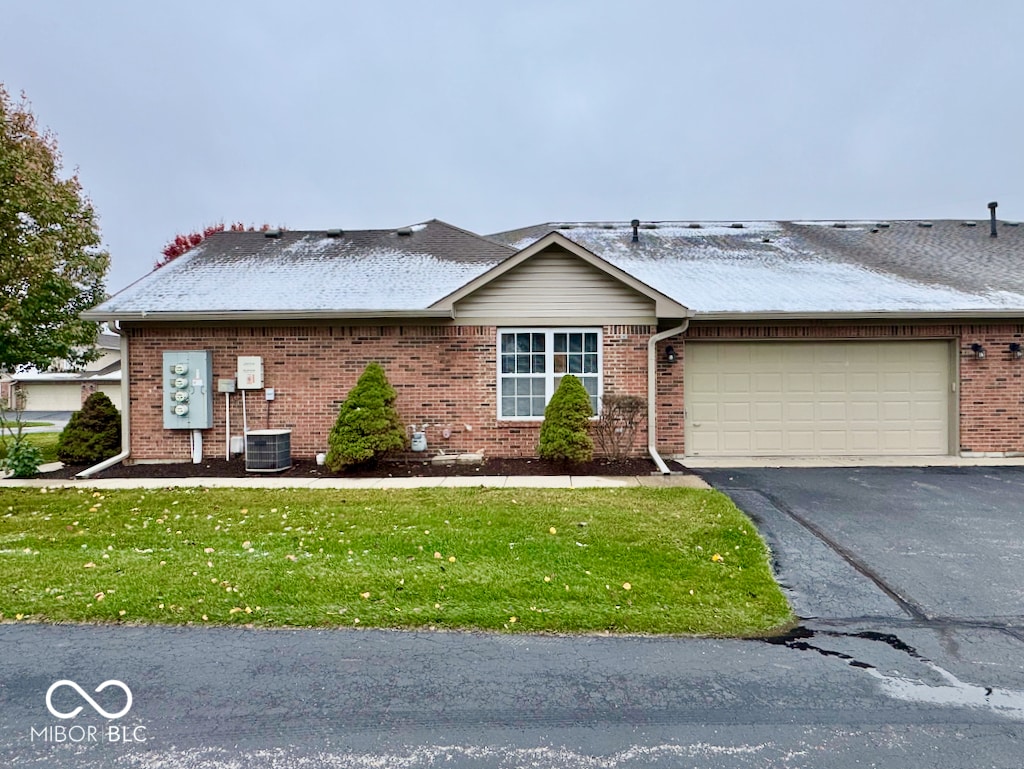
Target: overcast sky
point(494, 116)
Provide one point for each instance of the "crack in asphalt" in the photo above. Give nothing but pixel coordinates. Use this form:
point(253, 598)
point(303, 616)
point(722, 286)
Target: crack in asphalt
point(1005, 702)
point(911, 608)
point(950, 691)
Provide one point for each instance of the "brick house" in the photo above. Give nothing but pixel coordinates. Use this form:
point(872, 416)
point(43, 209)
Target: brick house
point(892, 338)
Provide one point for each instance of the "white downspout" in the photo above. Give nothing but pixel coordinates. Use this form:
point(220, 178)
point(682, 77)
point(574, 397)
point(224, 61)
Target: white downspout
point(126, 433)
point(652, 393)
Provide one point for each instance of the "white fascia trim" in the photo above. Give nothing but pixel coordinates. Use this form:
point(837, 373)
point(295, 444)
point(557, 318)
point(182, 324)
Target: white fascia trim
point(257, 315)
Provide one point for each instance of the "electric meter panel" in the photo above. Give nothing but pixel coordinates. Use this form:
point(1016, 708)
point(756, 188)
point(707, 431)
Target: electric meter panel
point(188, 390)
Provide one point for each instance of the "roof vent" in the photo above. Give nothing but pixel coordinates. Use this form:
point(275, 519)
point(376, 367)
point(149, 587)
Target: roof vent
point(1011, 224)
point(695, 225)
point(874, 229)
point(607, 226)
point(567, 226)
point(272, 233)
point(404, 231)
point(648, 226)
point(737, 225)
point(839, 225)
point(766, 240)
point(924, 224)
point(336, 233)
point(993, 232)
point(968, 224)
point(635, 224)
point(883, 225)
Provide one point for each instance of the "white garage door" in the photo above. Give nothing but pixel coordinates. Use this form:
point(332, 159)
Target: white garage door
point(817, 398)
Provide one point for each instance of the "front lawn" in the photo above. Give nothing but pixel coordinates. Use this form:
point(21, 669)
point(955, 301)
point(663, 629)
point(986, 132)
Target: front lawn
point(45, 442)
point(619, 560)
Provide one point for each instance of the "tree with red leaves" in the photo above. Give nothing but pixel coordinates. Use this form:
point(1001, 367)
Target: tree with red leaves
point(182, 244)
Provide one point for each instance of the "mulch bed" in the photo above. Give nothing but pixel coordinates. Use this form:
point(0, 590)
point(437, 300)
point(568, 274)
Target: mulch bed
point(411, 468)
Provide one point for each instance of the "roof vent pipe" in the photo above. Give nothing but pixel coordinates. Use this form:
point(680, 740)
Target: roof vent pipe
point(636, 230)
point(992, 214)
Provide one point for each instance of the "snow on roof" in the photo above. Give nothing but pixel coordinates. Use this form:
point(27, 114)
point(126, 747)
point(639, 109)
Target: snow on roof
point(811, 267)
point(375, 270)
point(709, 267)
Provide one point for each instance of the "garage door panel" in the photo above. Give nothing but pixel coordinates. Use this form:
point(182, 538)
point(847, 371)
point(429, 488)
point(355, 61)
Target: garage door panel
point(798, 382)
point(735, 413)
point(768, 441)
point(768, 382)
point(737, 441)
point(831, 382)
point(864, 411)
point(770, 412)
point(798, 442)
point(818, 398)
point(831, 411)
point(866, 382)
point(702, 383)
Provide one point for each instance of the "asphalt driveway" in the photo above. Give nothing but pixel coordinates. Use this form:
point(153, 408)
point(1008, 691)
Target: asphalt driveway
point(932, 543)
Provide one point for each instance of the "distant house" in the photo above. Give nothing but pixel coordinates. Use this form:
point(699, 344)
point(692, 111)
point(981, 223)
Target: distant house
point(897, 338)
point(64, 388)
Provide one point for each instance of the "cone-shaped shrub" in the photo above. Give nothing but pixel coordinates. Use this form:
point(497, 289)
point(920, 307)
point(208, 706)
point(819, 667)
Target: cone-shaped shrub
point(565, 436)
point(368, 426)
point(93, 434)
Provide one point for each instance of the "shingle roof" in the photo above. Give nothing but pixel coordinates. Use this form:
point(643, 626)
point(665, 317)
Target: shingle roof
point(363, 270)
point(812, 267)
point(710, 267)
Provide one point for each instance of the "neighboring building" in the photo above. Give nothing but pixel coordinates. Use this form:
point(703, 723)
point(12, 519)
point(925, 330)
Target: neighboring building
point(787, 338)
point(65, 389)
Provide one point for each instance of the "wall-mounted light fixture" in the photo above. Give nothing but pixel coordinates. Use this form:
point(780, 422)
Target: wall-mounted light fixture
point(979, 351)
point(1016, 351)
point(670, 354)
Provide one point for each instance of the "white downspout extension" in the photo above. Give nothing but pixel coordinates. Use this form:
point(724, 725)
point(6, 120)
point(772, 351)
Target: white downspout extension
point(652, 393)
point(126, 433)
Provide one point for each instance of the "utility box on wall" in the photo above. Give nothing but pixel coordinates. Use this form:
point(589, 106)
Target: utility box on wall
point(188, 390)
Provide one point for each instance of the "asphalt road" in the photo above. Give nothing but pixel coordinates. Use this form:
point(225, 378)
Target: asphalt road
point(878, 675)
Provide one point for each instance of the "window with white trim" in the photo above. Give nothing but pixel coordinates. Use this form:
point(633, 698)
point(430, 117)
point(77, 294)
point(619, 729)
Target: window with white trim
point(532, 362)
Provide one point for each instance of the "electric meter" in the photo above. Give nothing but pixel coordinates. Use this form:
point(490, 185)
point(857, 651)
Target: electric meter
point(188, 389)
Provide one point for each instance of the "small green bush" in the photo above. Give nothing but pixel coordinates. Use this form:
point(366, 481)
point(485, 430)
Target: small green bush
point(368, 426)
point(93, 434)
point(22, 459)
point(565, 436)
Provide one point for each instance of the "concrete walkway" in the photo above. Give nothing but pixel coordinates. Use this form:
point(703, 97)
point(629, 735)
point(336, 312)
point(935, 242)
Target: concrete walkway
point(452, 481)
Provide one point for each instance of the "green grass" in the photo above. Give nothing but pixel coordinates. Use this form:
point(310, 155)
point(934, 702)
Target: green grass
point(46, 442)
point(619, 560)
point(36, 424)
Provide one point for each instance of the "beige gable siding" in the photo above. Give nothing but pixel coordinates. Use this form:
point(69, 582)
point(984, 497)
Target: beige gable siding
point(557, 287)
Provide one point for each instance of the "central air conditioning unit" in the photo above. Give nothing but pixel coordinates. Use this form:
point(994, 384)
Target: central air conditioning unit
point(268, 451)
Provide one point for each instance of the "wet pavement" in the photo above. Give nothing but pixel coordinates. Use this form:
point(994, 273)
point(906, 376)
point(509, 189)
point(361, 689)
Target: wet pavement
point(910, 654)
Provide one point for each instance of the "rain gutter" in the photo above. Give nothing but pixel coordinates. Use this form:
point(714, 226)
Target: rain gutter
point(126, 435)
point(652, 393)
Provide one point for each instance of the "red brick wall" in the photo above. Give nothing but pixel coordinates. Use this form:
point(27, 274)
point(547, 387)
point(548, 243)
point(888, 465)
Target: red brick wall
point(991, 390)
point(445, 376)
